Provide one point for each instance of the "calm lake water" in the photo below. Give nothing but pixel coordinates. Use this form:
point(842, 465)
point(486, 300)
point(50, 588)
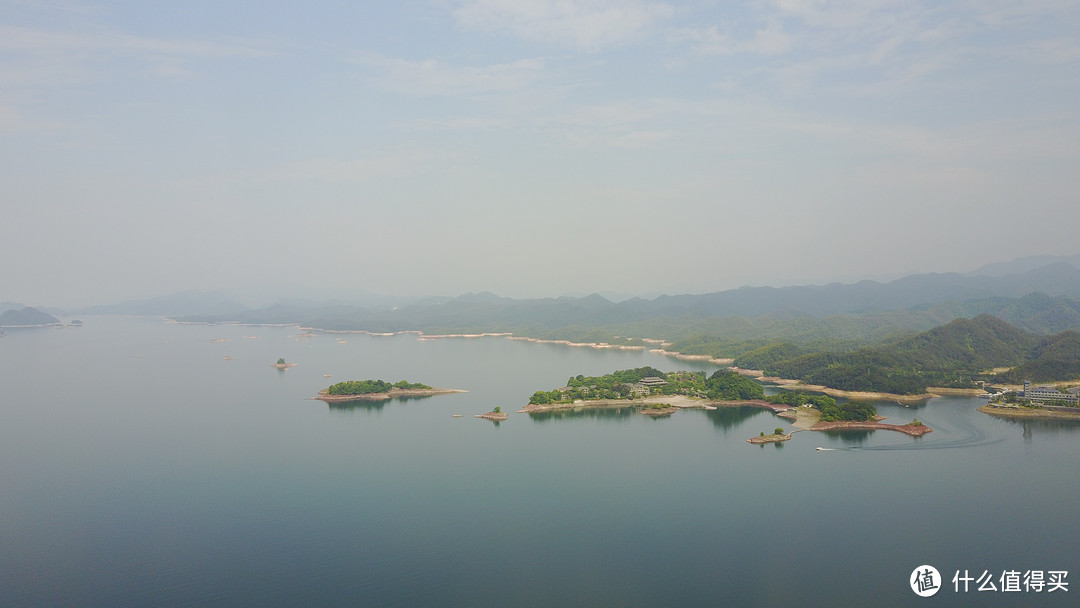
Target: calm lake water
point(140, 467)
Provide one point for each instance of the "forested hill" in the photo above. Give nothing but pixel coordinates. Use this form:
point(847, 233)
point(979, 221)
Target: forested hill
point(954, 355)
point(27, 316)
point(1053, 358)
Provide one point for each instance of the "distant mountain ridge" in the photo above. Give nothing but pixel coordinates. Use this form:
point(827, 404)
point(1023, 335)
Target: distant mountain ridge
point(1026, 264)
point(1045, 300)
point(184, 303)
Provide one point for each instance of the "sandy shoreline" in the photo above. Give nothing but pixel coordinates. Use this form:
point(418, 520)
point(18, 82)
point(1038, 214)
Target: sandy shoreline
point(508, 335)
point(682, 357)
point(760, 439)
point(809, 419)
point(412, 392)
point(790, 384)
point(907, 429)
point(786, 383)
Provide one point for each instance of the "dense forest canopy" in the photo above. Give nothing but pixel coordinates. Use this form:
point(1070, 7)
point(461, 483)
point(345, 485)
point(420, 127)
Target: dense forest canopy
point(365, 387)
point(958, 355)
point(626, 384)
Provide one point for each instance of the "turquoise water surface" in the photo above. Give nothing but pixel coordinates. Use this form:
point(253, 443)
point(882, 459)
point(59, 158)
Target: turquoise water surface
point(140, 467)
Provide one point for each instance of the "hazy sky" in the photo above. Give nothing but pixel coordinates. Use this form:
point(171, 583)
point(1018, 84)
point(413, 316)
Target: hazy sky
point(528, 147)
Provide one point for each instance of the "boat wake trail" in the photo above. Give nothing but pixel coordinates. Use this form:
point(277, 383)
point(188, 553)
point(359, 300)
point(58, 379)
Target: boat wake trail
point(948, 438)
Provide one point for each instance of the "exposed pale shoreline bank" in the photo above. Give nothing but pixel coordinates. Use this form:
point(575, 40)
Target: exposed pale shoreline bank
point(1029, 412)
point(803, 418)
point(809, 419)
point(658, 344)
point(660, 348)
point(791, 384)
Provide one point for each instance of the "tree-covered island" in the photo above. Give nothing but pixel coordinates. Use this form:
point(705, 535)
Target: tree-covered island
point(378, 390)
point(656, 393)
point(645, 384)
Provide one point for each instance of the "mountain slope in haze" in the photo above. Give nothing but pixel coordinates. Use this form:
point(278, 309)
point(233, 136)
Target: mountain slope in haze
point(184, 303)
point(28, 316)
point(1025, 264)
point(488, 312)
point(953, 355)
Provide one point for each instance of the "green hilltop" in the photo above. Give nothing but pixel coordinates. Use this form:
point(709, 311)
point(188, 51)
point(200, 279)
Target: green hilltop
point(957, 355)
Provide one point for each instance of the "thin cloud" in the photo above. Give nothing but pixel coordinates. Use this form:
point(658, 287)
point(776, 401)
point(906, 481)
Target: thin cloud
point(433, 77)
point(44, 58)
point(31, 40)
point(588, 25)
point(769, 40)
point(392, 165)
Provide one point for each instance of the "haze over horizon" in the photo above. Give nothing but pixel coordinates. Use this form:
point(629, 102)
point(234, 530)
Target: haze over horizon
point(530, 149)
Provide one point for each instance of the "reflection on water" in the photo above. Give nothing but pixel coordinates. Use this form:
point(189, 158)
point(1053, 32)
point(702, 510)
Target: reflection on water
point(1043, 425)
point(850, 437)
point(356, 406)
point(617, 414)
point(369, 405)
point(1030, 427)
point(237, 490)
point(914, 406)
point(731, 417)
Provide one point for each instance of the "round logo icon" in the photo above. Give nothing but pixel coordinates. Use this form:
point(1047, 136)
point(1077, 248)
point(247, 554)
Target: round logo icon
point(925, 581)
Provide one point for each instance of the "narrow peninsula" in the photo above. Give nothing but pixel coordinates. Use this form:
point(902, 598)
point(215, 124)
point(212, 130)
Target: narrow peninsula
point(659, 394)
point(379, 390)
point(810, 412)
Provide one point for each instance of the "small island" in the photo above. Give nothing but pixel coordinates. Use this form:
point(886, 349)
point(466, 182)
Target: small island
point(378, 390)
point(495, 415)
point(281, 364)
point(659, 410)
point(657, 393)
point(777, 436)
